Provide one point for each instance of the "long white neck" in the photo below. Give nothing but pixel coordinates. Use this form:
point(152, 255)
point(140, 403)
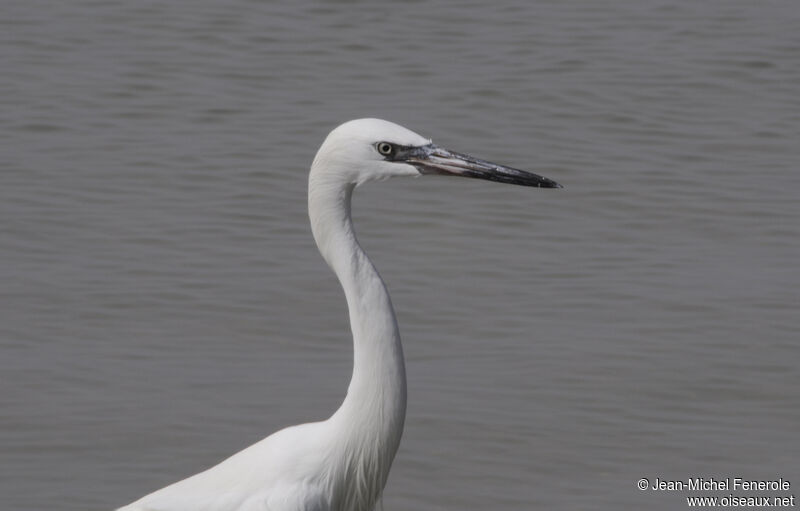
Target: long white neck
point(369, 423)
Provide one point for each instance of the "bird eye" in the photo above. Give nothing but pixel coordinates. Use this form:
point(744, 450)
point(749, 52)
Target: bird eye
point(385, 148)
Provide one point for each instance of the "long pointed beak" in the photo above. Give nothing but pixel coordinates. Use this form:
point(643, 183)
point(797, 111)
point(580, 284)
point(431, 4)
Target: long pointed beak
point(431, 159)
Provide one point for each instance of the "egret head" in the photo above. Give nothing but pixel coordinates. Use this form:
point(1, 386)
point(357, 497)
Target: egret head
point(372, 149)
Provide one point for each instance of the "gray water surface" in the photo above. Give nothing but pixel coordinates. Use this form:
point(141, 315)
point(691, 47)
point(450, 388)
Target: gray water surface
point(162, 303)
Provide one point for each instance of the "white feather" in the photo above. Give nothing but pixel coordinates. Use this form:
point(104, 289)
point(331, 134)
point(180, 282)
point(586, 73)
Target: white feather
point(341, 463)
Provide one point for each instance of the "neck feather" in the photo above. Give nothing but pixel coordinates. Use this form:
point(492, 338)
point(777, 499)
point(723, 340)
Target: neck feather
point(369, 422)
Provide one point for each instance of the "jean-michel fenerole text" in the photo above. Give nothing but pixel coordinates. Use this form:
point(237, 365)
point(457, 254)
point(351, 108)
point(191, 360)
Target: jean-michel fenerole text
point(724, 484)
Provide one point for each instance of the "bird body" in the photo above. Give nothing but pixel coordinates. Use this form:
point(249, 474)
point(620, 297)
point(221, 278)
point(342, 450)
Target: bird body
point(342, 463)
point(289, 470)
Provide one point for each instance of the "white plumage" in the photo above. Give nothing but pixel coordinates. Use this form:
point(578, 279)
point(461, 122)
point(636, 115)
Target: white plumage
point(340, 464)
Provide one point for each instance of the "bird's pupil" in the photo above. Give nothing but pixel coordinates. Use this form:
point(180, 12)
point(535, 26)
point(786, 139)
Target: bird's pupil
point(385, 148)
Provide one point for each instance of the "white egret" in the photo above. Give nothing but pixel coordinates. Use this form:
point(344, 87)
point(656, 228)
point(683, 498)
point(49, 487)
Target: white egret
point(340, 464)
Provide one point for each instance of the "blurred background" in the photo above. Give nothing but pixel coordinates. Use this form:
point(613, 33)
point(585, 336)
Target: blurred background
point(163, 305)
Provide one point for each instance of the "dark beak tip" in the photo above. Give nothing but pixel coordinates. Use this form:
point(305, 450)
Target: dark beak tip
point(549, 183)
